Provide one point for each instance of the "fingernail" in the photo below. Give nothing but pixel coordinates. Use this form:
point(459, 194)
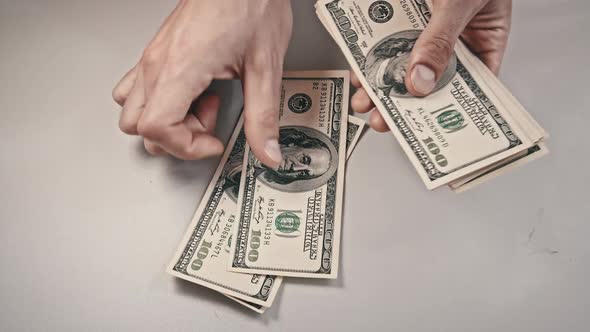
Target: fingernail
point(273, 151)
point(423, 79)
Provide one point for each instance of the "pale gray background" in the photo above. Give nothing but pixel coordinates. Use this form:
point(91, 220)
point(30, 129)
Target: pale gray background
point(89, 221)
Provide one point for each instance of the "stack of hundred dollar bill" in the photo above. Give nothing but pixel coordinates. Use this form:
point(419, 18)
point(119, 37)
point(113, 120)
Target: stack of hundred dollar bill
point(254, 224)
point(470, 129)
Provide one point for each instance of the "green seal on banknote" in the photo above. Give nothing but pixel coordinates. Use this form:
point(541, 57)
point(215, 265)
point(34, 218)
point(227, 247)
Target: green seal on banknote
point(300, 103)
point(451, 120)
point(287, 224)
point(380, 11)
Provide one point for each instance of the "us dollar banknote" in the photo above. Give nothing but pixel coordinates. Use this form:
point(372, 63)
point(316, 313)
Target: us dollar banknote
point(202, 255)
point(356, 128)
point(289, 218)
point(461, 127)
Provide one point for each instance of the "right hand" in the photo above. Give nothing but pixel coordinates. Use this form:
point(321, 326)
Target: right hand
point(199, 42)
point(483, 25)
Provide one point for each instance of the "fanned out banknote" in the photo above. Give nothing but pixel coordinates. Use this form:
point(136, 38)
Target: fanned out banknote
point(309, 101)
point(470, 129)
point(355, 130)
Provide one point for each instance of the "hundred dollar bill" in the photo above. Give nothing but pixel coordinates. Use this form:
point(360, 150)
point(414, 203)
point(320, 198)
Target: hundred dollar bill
point(458, 129)
point(356, 127)
point(203, 253)
point(289, 218)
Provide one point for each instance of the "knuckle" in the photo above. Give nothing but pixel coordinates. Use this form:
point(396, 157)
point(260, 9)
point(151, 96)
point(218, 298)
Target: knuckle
point(151, 56)
point(188, 153)
point(127, 126)
point(150, 147)
point(118, 95)
point(150, 128)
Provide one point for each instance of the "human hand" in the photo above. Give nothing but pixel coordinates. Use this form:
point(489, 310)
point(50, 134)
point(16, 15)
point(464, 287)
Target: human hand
point(483, 25)
point(201, 41)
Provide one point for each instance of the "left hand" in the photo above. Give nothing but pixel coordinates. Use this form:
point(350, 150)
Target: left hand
point(200, 41)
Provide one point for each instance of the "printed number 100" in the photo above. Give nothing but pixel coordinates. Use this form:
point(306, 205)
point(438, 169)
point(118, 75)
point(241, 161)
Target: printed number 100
point(440, 159)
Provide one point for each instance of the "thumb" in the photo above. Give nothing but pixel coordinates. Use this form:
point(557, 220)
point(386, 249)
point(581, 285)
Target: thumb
point(434, 49)
point(261, 117)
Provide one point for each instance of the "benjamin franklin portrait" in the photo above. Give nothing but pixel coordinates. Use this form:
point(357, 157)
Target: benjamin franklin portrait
point(387, 63)
point(309, 160)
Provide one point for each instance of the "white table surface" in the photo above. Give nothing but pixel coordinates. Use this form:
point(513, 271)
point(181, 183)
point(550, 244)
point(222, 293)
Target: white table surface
point(88, 221)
